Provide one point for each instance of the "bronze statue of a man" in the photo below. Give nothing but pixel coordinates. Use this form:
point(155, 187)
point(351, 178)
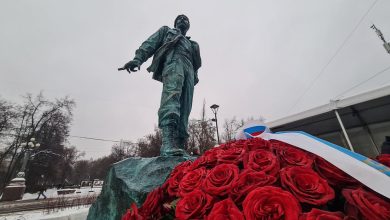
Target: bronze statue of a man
point(175, 63)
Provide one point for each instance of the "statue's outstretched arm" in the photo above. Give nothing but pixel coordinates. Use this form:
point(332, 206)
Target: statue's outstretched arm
point(146, 50)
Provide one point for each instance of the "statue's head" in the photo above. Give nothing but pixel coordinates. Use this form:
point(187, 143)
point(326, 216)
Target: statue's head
point(183, 23)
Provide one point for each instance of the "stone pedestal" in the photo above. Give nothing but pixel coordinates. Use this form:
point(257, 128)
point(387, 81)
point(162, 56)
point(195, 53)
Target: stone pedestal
point(130, 181)
point(15, 189)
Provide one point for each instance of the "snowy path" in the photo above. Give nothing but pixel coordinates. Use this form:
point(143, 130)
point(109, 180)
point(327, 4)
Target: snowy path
point(52, 193)
point(29, 208)
point(66, 214)
point(51, 203)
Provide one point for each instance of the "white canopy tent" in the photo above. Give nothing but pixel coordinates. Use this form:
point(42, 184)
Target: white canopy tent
point(359, 123)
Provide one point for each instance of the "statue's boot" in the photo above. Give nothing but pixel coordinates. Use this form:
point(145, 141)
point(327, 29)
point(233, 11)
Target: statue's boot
point(181, 142)
point(169, 147)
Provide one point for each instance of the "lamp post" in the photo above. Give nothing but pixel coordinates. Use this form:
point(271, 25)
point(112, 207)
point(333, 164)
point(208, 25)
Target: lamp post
point(15, 189)
point(28, 147)
point(214, 109)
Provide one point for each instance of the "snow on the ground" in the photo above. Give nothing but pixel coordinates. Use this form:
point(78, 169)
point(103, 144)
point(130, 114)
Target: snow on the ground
point(75, 213)
point(52, 193)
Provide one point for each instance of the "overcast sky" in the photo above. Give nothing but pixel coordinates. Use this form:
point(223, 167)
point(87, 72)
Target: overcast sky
point(259, 57)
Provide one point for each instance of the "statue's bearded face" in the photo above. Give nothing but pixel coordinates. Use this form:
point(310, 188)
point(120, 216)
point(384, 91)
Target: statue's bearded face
point(182, 22)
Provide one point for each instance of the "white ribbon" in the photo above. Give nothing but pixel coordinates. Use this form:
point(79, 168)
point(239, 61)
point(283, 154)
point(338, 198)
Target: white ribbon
point(371, 173)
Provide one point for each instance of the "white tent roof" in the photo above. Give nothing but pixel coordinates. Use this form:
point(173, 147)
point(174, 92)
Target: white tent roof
point(333, 104)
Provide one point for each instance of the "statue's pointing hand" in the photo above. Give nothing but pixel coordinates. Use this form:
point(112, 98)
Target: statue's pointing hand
point(131, 65)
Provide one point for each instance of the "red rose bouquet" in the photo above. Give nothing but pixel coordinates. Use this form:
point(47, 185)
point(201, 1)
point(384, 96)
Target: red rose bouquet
point(384, 159)
point(258, 179)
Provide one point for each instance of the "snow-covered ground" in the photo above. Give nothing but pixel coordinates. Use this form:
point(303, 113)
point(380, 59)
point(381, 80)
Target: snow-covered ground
point(77, 213)
point(52, 193)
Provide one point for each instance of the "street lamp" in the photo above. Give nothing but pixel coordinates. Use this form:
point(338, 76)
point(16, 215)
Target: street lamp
point(28, 147)
point(214, 109)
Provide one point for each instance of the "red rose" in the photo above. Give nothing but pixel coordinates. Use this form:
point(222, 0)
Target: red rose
point(336, 177)
point(194, 205)
point(362, 204)
point(262, 160)
point(226, 145)
point(306, 185)
point(317, 214)
point(235, 143)
point(175, 178)
point(249, 180)
point(191, 180)
point(219, 180)
point(208, 159)
point(384, 159)
point(225, 210)
point(292, 156)
point(276, 144)
point(132, 214)
point(152, 207)
point(257, 143)
point(270, 202)
point(232, 155)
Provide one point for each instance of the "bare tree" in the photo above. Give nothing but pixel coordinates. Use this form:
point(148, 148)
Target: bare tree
point(149, 146)
point(81, 171)
point(124, 149)
point(7, 118)
point(47, 121)
point(230, 128)
point(99, 167)
point(70, 155)
point(201, 132)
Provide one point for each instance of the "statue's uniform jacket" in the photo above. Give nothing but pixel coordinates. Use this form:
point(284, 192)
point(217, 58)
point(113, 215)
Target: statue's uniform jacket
point(175, 63)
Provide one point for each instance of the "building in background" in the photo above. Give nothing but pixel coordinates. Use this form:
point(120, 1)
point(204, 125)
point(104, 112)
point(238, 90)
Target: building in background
point(365, 118)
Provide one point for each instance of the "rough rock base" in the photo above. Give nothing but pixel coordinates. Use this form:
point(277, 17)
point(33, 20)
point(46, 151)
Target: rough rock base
point(130, 181)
